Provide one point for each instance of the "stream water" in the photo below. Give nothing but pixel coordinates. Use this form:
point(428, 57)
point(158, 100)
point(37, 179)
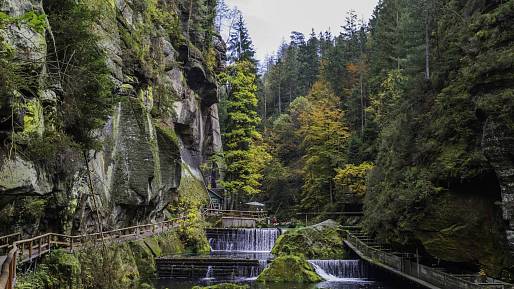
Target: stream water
point(256, 244)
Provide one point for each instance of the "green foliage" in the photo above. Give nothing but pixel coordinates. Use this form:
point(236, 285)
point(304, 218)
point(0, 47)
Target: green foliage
point(324, 138)
point(244, 153)
point(22, 212)
point(36, 21)
point(385, 105)
point(81, 69)
point(422, 92)
point(289, 268)
point(352, 179)
point(240, 46)
point(289, 75)
point(192, 197)
point(54, 150)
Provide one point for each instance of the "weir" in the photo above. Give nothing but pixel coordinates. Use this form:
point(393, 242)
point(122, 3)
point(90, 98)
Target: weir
point(242, 240)
point(236, 254)
point(340, 270)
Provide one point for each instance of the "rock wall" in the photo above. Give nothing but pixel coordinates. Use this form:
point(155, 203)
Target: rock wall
point(498, 147)
point(165, 123)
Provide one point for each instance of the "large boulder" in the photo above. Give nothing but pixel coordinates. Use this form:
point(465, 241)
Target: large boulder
point(290, 268)
point(321, 241)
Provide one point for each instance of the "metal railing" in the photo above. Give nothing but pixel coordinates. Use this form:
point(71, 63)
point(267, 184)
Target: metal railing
point(418, 271)
point(26, 250)
point(234, 213)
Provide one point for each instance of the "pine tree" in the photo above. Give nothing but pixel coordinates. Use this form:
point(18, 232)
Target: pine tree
point(240, 46)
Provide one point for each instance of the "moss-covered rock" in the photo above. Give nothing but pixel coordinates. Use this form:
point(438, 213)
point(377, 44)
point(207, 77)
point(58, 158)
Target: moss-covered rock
point(192, 196)
point(454, 229)
point(290, 268)
point(321, 241)
point(128, 265)
point(144, 257)
point(224, 286)
point(58, 270)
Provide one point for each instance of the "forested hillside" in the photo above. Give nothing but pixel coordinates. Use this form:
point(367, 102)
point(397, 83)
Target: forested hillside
point(148, 112)
point(410, 115)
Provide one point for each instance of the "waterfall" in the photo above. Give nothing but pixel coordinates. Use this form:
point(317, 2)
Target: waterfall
point(339, 270)
point(209, 274)
point(244, 240)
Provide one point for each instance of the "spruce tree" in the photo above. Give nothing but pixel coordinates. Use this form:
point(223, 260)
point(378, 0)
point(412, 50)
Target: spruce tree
point(240, 46)
point(244, 155)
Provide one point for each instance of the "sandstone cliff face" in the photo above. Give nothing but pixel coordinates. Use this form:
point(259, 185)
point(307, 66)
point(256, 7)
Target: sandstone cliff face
point(163, 128)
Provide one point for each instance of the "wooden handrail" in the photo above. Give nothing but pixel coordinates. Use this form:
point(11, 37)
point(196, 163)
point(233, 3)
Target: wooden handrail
point(35, 247)
point(8, 270)
point(7, 240)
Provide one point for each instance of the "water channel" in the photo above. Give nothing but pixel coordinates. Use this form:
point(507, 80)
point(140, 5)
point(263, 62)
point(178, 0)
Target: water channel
point(256, 244)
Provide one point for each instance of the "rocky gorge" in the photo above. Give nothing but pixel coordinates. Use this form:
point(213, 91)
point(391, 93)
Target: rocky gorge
point(159, 60)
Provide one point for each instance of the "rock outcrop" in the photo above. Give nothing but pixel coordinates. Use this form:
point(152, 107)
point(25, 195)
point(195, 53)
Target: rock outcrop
point(498, 147)
point(164, 126)
point(289, 268)
point(320, 241)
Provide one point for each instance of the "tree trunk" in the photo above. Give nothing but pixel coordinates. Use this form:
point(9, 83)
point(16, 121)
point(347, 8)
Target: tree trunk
point(427, 49)
point(265, 109)
point(279, 99)
point(362, 103)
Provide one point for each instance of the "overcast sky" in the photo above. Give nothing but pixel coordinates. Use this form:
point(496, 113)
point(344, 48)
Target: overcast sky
point(271, 21)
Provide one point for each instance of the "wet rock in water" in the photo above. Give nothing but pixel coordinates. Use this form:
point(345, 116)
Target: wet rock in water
point(321, 241)
point(290, 268)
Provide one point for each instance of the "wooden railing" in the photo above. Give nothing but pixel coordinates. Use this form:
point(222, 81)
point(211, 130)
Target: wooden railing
point(7, 240)
point(238, 214)
point(430, 275)
point(26, 250)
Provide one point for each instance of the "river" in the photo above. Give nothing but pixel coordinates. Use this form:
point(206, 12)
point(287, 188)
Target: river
point(256, 244)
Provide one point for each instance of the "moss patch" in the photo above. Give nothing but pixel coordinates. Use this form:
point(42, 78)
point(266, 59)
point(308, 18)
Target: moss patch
point(128, 265)
point(192, 196)
point(321, 241)
point(290, 268)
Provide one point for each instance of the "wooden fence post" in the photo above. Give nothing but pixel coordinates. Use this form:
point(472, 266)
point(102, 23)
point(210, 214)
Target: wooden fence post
point(30, 250)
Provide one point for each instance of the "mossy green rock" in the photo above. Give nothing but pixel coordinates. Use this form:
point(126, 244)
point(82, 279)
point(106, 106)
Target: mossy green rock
point(58, 270)
point(128, 265)
point(321, 241)
point(454, 229)
point(290, 268)
point(224, 286)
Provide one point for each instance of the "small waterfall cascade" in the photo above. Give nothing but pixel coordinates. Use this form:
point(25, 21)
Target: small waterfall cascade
point(243, 240)
point(339, 270)
point(236, 255)
point(208, 275)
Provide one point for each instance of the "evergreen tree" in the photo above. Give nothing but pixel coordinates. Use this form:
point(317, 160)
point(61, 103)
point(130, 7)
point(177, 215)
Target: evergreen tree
point(244, 153)
point(240, 46)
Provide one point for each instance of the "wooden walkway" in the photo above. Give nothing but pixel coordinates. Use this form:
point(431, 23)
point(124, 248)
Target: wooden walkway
point(403, 265)
point(20, 251)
